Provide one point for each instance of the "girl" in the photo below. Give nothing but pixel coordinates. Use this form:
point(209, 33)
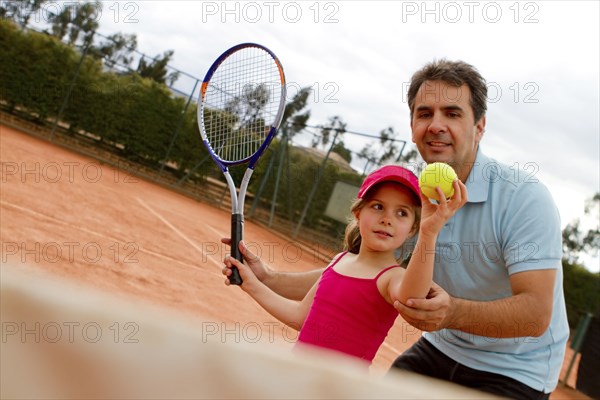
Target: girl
point(350, 309)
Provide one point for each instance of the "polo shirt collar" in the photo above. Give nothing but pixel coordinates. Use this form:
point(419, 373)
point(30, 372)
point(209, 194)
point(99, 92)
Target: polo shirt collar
point(477, 184)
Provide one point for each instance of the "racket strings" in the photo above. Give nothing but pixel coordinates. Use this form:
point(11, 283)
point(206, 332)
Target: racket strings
point(241, 103)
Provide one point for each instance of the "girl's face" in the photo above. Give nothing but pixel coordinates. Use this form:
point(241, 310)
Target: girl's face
point(387, 218)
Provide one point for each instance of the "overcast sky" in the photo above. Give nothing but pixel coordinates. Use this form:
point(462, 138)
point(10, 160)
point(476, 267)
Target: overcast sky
point(540, 58)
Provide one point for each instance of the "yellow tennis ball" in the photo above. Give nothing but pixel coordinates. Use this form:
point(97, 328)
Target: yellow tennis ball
point(437, 174)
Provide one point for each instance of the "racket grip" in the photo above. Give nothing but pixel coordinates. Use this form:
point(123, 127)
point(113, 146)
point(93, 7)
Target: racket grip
point(237, 233)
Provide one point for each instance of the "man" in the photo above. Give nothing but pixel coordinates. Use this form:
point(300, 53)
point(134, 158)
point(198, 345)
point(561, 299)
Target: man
point(495, 320)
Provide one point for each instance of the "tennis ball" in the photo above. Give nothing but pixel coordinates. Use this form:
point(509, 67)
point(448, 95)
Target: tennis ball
point(437, 174)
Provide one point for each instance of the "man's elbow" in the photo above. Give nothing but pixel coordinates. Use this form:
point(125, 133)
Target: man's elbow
point(541, 322)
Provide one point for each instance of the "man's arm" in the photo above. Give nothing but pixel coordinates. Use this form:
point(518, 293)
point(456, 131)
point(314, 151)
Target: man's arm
point(530, 219)
point(526, 313)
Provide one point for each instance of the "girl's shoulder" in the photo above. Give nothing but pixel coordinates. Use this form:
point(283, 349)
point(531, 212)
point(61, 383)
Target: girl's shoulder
point(336, 259)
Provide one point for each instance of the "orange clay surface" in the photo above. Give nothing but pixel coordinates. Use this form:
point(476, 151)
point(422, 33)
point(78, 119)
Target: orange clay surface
point(85, 221)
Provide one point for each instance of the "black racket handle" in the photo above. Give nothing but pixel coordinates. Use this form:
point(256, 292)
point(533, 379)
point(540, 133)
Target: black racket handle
point(237, 233)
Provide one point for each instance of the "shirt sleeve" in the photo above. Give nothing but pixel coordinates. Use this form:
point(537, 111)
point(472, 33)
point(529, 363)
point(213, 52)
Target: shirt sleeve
point(532, 237)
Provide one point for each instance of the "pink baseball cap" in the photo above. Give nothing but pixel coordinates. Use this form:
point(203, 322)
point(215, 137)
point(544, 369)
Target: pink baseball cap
point(391, 173)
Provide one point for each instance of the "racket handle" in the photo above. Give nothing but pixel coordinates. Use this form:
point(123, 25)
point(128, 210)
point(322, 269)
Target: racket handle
point(237, 233)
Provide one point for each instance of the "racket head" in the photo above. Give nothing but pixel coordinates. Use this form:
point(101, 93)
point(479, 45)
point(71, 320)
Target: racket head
point(241, 104)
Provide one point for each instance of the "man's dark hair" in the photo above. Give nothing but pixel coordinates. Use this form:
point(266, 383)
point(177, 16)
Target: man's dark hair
point(455, 73)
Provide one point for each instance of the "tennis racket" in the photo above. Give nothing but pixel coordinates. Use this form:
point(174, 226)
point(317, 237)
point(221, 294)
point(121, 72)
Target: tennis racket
point(242, 99)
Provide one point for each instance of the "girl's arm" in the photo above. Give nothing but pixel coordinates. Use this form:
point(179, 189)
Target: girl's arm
point(291, 285)
point(290, 312)
point(416, 281)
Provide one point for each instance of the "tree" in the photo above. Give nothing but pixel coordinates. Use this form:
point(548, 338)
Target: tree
point(338, 127)
point(409, 156)
point(6, 11)
point(75, 20)
point(582, 291)
point(20, 11)
point(60, 22)
point(582, 287)
point(335, 125)
point(340, 149)
point(156, 69)
point(575, 241)
point(246, 110)
point(388, 151)
point(85, 21)
point(293, 120)
point(389, 146)
point(117, 49)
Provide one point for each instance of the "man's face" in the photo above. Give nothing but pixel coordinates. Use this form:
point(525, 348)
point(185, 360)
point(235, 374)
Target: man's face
point(443, 126)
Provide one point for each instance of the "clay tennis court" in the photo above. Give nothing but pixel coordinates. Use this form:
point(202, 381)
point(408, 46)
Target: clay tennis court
point(96, 225)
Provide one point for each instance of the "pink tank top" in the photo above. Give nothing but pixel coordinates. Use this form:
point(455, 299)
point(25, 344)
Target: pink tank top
point(348, 314)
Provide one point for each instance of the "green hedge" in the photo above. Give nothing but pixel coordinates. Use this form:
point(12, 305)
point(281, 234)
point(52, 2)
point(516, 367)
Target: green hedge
point(138, 117)
point(582, 292)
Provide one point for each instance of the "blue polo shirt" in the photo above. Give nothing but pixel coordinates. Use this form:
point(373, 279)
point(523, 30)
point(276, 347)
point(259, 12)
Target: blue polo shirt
point(510, 224)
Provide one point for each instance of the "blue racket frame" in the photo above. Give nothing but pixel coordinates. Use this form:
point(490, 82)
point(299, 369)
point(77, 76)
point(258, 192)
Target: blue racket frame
point(237, 199)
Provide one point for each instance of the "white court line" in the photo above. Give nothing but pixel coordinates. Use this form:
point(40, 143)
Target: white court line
point(56, 220)
point(83, 229)
point(218, 233)
point(396, 351)
point(178, 232)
